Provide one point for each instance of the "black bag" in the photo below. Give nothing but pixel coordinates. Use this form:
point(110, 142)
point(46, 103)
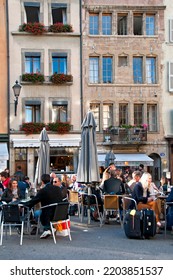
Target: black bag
point(132, 224)
point(148, 221)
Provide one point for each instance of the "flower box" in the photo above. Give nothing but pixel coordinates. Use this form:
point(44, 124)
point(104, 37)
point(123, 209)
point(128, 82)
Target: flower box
point(32, 127)
point(60, 127)
point(61, 78)
point(33, 77)
point(35, 28)
point(60, 27)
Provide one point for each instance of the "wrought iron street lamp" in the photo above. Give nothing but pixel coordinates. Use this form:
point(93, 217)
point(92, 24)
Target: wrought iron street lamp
point(16, 89)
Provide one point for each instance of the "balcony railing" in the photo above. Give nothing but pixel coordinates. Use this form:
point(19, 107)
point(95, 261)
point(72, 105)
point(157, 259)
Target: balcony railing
point(132, 135)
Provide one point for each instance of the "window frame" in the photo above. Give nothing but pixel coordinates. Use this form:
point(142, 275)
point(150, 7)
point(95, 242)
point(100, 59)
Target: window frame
point(94, 79)
point(171, 30)
point(93, 27)
point(106, 78)
point(123, 115)
point(109, 118)
point(150, 68)
point(107, 30)
point(138, 114)
point(152, 120)
point(33, 2)
point(60, 104)
point(32, 52)
point(35, 109)
point(140, 78)
point(153, 28)
point(96, 114)
point(170, 76)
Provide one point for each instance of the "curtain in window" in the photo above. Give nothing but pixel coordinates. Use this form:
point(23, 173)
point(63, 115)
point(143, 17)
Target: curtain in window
point(94, 70)
point(150, 70)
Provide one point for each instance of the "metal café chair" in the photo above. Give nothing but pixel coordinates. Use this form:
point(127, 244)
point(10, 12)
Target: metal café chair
point(111, 204)
point(93, 202)
point(74, 199)
point(11, 217)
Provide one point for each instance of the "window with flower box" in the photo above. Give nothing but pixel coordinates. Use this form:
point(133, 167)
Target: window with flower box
point(32, 11)
point(59, 111)
point(32, 111)
point(59, 12)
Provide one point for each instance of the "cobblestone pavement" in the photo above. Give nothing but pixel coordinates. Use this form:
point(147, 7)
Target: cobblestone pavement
point(88, 242)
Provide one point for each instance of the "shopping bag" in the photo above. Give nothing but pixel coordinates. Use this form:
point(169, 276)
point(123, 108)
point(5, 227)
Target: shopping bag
point(61, 228)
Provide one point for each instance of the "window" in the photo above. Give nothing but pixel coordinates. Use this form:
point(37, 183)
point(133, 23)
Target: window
point(122, 24)
point(138, 114)
point(170, 69)
point(94, 24)
point(137, 70)
point(152, 117)
point(93, 70)
point(32, 62)
point(150, 70)
point(107, 115)
point(59, 63)
point(137, 24)
point(106, 24)
point(107, 69)
point(32, 10)
point(123, 114)
point(95, 108)
point(32, 111)
point(59, 112)
point(171, 30)
point(122, 61)
point(59, 13)
point(150, 25)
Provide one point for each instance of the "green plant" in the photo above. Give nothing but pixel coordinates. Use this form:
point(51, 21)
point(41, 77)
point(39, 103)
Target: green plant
point(61, 78)
point(33, 77)
point(32, 127)
point(60, 27)
point(35, 28)
point(60, 127)
point(126, 126)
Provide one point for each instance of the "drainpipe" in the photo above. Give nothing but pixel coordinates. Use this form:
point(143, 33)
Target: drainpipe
point(81, 70)
point(8, 80)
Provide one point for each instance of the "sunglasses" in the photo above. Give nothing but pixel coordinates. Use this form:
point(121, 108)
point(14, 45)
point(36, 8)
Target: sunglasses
point(55, 181)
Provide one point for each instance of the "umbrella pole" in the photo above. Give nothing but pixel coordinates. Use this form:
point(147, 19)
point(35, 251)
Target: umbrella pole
point(89, 210)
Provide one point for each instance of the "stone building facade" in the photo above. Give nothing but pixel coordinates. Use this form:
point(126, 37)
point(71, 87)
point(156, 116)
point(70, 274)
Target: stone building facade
point(123, 75)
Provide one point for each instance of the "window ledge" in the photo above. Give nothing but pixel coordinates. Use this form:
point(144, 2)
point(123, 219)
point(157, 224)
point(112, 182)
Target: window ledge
point(46, 84)
point(62, 34)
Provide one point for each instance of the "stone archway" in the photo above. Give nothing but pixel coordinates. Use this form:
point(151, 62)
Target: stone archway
point(155, 170)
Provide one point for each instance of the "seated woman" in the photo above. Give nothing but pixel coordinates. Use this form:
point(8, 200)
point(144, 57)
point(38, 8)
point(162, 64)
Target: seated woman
point(12, 193)
point(142, 196)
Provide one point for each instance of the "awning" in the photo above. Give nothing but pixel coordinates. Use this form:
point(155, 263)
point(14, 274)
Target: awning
point(29, 143)
point(128, 159)
point(4, 151)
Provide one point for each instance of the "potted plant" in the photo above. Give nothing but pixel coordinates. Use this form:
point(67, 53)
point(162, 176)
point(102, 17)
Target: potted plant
point(33, 77)
point(61, 78)
point(59, 27)
point(60, 127)
point(32, 127)
point(35, 28)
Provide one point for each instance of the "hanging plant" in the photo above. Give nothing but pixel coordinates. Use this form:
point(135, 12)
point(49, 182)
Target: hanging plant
point(35, 28)
point(61, 78)
point(60, 27)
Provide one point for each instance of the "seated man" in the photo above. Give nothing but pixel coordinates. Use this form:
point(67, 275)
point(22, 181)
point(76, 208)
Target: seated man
point(48, 194)
point(113, 185)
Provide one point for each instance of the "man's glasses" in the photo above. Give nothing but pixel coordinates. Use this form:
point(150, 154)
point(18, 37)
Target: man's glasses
point(55, 181)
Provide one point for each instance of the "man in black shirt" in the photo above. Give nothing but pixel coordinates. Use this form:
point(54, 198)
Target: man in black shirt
point(48, 194)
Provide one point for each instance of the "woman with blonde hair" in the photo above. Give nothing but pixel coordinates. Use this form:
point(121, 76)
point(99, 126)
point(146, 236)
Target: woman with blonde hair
point(142, 196)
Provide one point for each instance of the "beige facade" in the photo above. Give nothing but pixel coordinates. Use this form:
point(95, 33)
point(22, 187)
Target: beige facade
point(38, 101)
point(3, 88)
point(167, 109)
point(107, 42)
